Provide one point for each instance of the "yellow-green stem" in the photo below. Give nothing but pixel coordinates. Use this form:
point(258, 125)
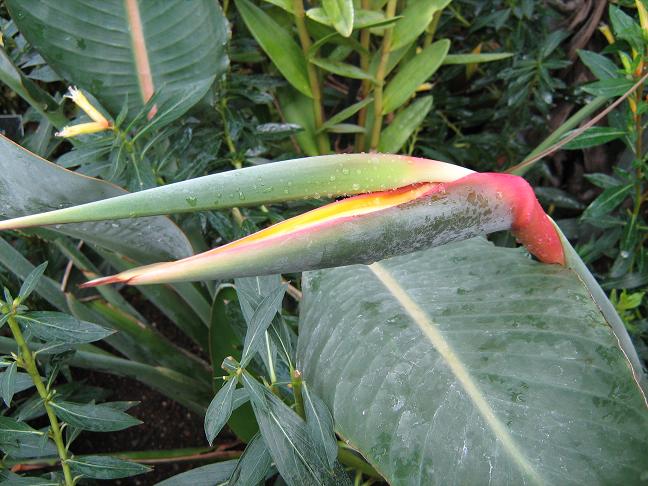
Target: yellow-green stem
point(365, 39)
point(29, 364)
point(380, 78)
point(313, 77)
point(431, 30)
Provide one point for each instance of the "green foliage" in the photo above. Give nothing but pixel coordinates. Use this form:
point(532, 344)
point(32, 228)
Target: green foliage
point(56, 332)
point(465, 81)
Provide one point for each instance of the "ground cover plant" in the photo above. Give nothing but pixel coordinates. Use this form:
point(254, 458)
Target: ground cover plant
point(350, 318)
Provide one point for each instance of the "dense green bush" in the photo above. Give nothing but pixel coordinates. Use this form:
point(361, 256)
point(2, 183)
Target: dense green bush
point(445, 363)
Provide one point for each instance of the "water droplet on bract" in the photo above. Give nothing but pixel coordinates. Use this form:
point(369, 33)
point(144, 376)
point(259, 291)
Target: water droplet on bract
point(625, 254)
point(192, 201)
point(355, 187)
point(286, 191)
point(268, 189)
point(332, 178)
point(241, 196)
point(345, 171)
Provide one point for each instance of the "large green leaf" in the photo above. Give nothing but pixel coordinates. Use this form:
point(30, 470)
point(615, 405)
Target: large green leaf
point(470, 363)
point(415, 72)
point(123, 51)
point(29, 184)
point(278, 44)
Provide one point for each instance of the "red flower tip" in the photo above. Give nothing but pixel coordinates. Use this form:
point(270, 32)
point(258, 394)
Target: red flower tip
point(531, 225)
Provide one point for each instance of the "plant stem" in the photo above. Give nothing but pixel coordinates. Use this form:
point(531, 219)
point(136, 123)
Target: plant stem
point(313, 78)
point(638, 199)
point(296, 382)
point(365, 41)
point(27, 361)
point(380, 78)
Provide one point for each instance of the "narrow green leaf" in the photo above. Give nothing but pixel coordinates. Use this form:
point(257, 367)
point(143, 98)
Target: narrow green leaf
point(610, 87)
point(217, 474)
point(19, 440)
point(404, 124)
point(341, 68)
point(348, 112)
point(62, 328)
point(21, 382)
point(15, 480)
point(226, 334)
point(297, 458)
point(287, 5)
point(8, 383)
point(604, 181)
point(260, 321)
point(278, 45)
point(31, 281)
point(219, 410)
point(601, 66)
point(33, 94)
point(253, 465)
point(416, 17)
point(592, 137)
point(476, 58)
point(320, 424)
point(626, 28)
point(557, 197)
point(21, 268)
point(340, 12)
point(298, 109)
point(607, 201)
point(414, 73)
point(95, 418)
point(105, 467)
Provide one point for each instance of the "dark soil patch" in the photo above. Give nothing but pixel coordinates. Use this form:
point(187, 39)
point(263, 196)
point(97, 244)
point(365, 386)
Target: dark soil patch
point(166, 425)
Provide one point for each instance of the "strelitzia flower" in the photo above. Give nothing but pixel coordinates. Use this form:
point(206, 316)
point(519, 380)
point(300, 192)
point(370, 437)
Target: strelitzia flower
point(402, 204)
point(99, 122)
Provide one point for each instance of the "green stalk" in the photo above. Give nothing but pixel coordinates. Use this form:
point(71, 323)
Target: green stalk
point(26, 360)
point(365, 40)
point(313, 79)
point(296, 382)
point(638, 199)
point(380, 78)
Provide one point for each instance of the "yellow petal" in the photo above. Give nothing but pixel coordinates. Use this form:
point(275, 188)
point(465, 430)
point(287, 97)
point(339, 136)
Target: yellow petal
point(81, 129)
point(82, 102)
point(605, 30)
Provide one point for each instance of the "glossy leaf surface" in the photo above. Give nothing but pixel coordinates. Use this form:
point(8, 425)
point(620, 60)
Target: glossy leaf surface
point(124, 51)
point(29, 184)
point(475, 363)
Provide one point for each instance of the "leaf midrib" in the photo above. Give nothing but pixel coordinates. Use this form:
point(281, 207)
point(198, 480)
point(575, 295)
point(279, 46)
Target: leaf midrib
point(456, 367)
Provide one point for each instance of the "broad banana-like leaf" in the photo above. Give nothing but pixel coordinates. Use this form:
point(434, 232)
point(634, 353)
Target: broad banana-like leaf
point(29, 183)
point(123, 51)
point(473, 364)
